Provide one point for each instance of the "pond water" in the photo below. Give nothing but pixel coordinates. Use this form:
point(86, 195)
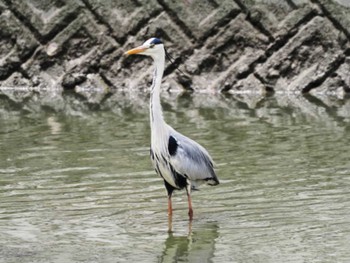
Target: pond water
point(77, 185)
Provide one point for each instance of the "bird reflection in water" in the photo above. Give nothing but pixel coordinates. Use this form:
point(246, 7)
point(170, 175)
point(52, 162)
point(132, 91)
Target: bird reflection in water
point(197, 246)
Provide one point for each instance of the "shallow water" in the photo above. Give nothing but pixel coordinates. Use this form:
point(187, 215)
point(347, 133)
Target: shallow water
point(78, 186)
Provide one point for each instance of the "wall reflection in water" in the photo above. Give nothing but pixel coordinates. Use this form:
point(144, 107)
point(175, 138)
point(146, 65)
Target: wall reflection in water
point(320, 107)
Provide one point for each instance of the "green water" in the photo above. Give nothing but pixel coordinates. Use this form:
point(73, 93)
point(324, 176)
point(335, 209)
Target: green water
point(77, 185)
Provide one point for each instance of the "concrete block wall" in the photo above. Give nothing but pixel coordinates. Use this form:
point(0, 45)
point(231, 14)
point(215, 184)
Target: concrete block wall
point(297, 46)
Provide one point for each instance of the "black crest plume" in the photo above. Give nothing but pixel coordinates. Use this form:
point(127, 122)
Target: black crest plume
point(171, 59)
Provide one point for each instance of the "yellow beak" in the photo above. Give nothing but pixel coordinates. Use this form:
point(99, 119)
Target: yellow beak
point(136, 50)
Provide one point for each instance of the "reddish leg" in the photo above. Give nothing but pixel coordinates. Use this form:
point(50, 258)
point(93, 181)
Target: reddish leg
point(170, 206)
point(190, 209)
point(170, 223)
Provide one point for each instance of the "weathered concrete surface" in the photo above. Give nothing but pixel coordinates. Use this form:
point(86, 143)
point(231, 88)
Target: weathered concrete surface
point(296, 46)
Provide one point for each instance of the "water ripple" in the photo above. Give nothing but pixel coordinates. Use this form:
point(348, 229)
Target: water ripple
point(71, 187)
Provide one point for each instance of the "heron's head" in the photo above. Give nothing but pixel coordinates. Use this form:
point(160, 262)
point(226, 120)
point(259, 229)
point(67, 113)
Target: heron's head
point(152, 47)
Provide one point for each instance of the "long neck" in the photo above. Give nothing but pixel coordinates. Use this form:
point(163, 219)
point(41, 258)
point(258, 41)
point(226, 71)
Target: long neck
point(156, 114)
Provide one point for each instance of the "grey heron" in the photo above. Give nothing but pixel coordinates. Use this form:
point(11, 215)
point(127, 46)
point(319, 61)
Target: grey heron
point(180, 161)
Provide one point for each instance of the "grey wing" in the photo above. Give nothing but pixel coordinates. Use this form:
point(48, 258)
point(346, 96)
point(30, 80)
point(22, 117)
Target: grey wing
point(190, 159)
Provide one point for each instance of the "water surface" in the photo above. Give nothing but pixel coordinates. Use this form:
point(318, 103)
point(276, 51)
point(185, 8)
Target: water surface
point(77, 185)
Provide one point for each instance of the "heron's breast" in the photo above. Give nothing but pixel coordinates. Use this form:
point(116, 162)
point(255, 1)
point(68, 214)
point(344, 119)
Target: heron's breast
point(162, 167)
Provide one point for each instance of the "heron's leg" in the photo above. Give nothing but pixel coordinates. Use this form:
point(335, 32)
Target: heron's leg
point(169, 190)
point(170, 224)
point(190, 209)
point(170, 206)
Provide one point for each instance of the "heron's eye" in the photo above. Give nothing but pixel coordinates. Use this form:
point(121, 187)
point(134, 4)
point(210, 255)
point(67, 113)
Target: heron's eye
point(151, 45)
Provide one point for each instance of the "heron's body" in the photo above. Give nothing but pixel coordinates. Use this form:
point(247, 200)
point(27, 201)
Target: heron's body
point(180, 161)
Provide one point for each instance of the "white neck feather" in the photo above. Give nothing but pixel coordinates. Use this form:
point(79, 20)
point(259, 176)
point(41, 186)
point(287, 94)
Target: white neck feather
point(156, 113)
point(158, 125)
